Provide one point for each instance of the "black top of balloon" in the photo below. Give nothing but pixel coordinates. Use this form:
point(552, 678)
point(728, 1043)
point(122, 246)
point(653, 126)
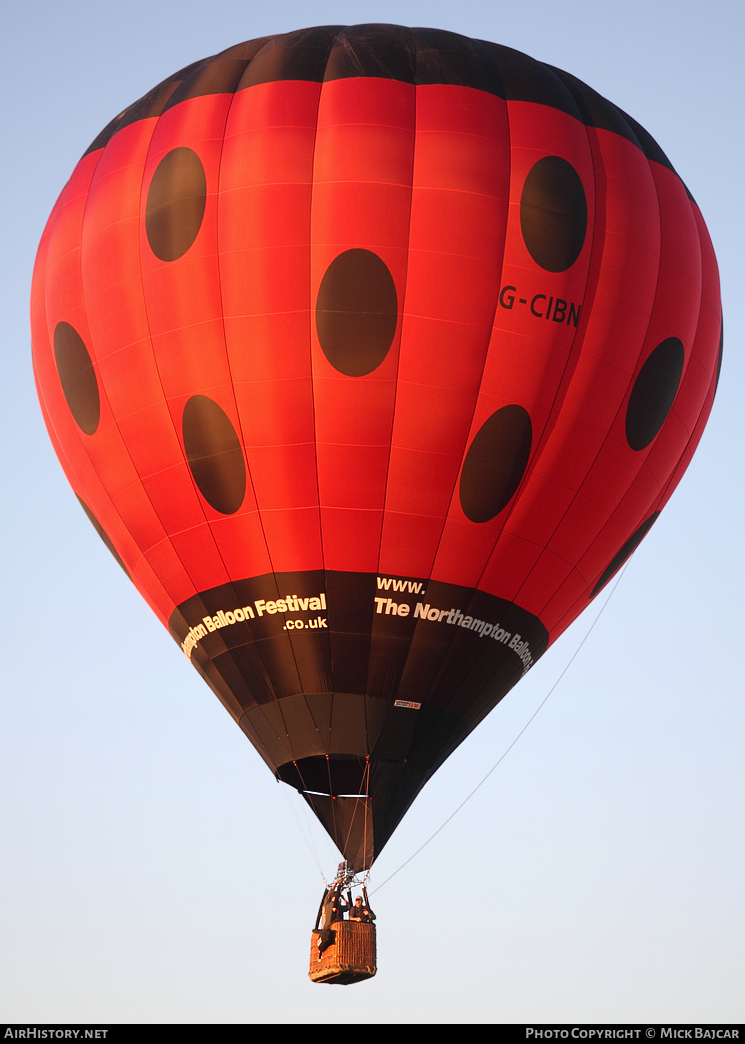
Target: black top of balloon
point(417, 56)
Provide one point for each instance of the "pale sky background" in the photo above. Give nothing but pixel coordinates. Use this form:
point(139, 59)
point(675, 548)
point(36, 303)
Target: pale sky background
point(152, 869)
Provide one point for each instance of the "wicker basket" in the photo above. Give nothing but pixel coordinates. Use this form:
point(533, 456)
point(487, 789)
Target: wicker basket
point(351, 957)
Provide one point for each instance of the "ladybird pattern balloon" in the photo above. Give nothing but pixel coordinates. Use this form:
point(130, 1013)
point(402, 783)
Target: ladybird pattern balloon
point(372, 353)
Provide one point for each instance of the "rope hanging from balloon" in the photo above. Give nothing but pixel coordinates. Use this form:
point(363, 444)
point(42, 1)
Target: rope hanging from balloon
point(520, 733)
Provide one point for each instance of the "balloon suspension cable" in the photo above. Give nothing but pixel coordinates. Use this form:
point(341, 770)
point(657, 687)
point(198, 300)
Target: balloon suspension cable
point(311, 847)
point(520, 733)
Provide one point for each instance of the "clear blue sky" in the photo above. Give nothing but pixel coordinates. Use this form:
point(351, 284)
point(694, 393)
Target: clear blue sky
point(153, 870)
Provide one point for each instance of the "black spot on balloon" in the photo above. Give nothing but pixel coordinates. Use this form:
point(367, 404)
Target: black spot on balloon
point(214, 453)
point(102, 533)
point(356, 312)
point(626, 551)
point(77, 377)
point(654, 392)
point(495, 463)
point(175, 204)
point(719, 356)
point(553, 214)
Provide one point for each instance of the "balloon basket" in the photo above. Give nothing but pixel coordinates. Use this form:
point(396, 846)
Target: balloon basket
point(351, 957)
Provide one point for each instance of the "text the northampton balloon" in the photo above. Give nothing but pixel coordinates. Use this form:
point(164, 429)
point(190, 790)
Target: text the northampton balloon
point(372, 353)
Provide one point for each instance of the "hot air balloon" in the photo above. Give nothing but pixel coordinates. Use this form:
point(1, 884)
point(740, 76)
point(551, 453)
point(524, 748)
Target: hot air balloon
point(372, 353)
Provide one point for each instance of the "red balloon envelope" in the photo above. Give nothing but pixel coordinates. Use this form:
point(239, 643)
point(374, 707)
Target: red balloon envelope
point(372, 353)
